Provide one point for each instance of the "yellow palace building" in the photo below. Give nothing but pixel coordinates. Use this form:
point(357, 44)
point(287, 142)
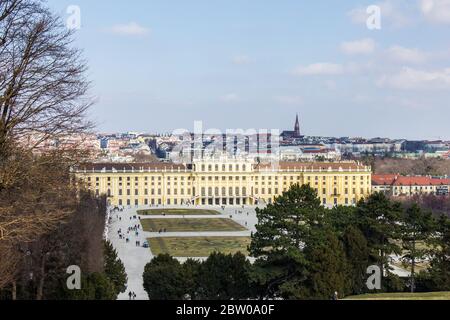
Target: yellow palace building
point(230, 182)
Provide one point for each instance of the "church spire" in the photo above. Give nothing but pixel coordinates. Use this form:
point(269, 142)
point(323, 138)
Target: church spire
point(297, 128)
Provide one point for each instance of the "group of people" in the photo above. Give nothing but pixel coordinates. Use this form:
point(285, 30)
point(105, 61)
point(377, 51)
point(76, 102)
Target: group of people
point(132, 295)
point(136, 228)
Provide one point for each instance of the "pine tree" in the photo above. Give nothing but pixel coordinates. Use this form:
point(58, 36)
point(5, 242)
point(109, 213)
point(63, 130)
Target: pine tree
point(357, 254)
point(164, 279)
point(417, 229)
point(439, 271)
point(114, 268)
point(327, 268)
point(379, 220)
point(283, 229)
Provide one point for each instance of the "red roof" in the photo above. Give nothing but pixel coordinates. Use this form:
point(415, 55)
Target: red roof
point(421, 181)
point(384, 179)
point(397, 180)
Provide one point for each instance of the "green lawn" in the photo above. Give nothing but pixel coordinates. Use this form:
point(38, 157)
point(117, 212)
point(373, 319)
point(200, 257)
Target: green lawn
point(403, 296)
point(191, 225)
point(177, 212)
point(199, 246)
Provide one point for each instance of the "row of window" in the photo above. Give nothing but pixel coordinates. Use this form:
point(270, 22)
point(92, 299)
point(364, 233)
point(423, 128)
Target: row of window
point(236, 178)
point(224, 201)
point(211, 168)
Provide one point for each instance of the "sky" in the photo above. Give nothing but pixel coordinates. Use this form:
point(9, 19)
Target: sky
point(160, 65)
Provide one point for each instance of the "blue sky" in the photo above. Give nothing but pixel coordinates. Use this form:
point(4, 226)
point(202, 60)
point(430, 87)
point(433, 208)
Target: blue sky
point(161, 65)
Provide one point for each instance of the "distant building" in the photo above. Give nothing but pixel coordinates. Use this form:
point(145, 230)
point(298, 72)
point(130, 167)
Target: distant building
point(296, 134)
point(398, 186)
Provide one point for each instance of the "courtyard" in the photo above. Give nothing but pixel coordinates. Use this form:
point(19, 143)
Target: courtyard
point(206, 230)
point(177, 212)
point(188, 247)
point(191, 225)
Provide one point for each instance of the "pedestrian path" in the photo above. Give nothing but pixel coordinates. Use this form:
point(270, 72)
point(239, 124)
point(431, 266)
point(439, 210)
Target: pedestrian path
point(133, 257)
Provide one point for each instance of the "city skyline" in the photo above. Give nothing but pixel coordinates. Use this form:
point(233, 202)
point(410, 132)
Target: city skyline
point(258, 64)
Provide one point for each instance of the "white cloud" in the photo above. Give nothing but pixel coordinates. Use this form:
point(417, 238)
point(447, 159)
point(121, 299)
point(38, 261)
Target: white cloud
point(320, 69)
point(289, 100)
point(241, 59)
point(406, 55)
point(436, 11)
point(331, 69)
point(130, 29)
point(230, 97)
point(409, 78)
point(364, 46)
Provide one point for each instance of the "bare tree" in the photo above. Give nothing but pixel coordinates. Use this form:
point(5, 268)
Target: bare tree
point(42, 84)
point(44, 95)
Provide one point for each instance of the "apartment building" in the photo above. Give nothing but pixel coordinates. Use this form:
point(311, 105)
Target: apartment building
point(397, 185)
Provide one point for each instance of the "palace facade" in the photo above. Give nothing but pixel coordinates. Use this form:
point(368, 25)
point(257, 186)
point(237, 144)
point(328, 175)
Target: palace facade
point(230, 182)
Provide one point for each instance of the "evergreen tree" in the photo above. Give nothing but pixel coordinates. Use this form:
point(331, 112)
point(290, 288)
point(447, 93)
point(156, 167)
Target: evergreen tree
point(192, 275)
point(417, 229)
point(225, 277)
point(164, 279)
point(439, 271)
point(379, 220)
point(357, 254)
point(94, 286)
point(114, 268)
point(283, 229)
point(327, 268)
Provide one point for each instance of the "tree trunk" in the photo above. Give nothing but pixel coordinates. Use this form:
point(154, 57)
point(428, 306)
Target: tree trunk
point(14, 291)
point(413, 267)
point(40, 287)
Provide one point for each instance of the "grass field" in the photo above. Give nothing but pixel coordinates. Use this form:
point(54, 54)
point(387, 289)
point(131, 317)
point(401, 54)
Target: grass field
point(177, 212)
point(191, 225)
point(403, 296)
point(199, 247)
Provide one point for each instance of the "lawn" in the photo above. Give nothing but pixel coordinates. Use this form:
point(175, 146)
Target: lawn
point(177, 212)
point(403, 296)
point(191, 225)
point(198, 246)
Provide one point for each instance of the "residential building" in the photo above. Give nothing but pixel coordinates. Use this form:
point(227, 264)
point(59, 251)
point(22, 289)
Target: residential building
point(397, 185)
